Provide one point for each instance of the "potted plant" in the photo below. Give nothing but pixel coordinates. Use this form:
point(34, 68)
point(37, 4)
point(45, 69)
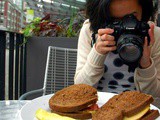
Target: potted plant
point(40, 34)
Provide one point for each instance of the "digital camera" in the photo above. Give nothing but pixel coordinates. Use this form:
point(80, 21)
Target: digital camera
point(129, 35)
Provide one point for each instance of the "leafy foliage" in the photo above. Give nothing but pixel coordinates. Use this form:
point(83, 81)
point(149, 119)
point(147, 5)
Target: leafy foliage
point(68, 27)
point(30, 28)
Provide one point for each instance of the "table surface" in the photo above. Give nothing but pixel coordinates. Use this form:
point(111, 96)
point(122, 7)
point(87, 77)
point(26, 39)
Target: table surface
point(9, 109)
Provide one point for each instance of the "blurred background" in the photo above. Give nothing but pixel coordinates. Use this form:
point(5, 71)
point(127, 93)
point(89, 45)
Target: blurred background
point(27, 28)
point(16, 14)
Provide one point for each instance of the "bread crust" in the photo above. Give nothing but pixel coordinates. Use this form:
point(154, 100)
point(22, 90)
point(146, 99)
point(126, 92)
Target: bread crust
point(151, 115)
point(107, 113)
point(75, 115)
point(68, 109)
point(73, 98)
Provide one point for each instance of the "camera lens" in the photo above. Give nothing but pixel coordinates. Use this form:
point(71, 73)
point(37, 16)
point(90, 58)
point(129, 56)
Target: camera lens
point(130, 47)
point(130, 52)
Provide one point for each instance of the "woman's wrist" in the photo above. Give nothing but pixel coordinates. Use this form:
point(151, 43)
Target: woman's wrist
point(147, 72)
point(96, 58)
point(146, 64)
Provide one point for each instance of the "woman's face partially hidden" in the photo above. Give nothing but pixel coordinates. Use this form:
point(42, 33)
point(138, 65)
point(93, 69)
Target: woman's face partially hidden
point(120, 8)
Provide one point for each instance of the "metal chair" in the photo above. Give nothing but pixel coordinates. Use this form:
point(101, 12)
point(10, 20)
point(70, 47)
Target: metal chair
point(60, 70)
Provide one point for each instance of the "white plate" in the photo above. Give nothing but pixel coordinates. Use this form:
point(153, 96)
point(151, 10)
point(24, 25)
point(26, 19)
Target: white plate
point(28, 111)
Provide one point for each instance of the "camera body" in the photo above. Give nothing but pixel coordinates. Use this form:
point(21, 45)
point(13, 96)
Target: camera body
point(129, 35)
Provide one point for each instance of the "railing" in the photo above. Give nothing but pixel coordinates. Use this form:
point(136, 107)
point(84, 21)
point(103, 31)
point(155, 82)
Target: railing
point(12, 65)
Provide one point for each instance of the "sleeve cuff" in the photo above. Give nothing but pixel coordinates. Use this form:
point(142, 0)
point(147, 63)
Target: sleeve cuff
point(148, 72)
point(96, 58)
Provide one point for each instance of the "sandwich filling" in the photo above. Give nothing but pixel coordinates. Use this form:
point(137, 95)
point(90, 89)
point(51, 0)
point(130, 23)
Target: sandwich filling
point(91, 109)
point(138, 115)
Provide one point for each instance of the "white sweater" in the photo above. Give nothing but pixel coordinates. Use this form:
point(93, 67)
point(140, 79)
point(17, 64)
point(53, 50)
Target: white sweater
point(90, 64)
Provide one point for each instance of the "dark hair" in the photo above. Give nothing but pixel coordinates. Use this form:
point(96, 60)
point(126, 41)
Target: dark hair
point(98, 12)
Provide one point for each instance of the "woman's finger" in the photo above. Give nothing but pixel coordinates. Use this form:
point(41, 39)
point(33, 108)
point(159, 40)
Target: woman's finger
point(108, 43)
point(145, 42)
point(109, 49)
point(107, 37)
point(105, 31)
point(151, 33)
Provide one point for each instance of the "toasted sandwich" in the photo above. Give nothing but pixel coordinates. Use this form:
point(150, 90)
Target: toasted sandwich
point(130, 105)
point(77, 101)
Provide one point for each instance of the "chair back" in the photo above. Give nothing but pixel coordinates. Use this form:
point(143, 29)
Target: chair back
point(60, 69)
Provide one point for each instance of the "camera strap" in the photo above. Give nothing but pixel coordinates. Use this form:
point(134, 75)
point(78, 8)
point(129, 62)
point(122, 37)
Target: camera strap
point(93, 41)
point(132, 66)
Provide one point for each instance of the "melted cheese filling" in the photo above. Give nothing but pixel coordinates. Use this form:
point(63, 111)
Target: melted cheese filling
point(139, 115)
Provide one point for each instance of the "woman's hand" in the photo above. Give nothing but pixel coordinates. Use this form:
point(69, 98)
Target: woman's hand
point(106, 42)
point(145, 60)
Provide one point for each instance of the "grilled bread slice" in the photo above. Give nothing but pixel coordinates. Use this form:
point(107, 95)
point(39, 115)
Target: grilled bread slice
point(150, 115)
point(127, 105)
point(76, 115)
point(71, 101)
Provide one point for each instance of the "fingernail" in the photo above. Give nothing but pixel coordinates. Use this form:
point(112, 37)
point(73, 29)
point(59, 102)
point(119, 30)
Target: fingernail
point(112, 30)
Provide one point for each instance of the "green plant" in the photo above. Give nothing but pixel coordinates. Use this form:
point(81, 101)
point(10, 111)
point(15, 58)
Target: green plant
point(29, 30)
point(41, 27)
point(72, 25)
point(67, 27)
point(70, 31)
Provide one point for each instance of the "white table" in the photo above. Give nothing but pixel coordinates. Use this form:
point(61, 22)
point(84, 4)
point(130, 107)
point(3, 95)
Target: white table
point(9, 109)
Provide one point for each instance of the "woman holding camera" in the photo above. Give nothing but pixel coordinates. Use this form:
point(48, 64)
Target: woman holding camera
point(97, 62)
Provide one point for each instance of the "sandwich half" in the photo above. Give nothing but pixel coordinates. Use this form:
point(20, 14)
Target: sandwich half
point(130, 105)
point(77, 101)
